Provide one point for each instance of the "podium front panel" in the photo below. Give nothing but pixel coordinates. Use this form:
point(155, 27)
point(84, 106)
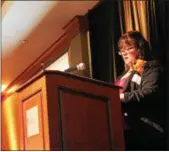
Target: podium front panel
point(85, 121)
point(70, 113)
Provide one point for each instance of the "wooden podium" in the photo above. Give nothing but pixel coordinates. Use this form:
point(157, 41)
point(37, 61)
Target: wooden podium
point(62, 111)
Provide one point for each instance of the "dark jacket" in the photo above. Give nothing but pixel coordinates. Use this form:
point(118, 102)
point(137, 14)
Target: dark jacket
point(144, 105)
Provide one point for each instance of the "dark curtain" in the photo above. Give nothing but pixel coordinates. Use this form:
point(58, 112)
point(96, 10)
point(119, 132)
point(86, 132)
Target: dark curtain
point(104, 28)
point(151, 18)
point(112, 18)
point(133, 16)
point(166, 57)
point(158, 28)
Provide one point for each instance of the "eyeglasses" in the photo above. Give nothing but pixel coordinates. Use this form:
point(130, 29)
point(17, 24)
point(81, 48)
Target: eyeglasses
point(122, 51)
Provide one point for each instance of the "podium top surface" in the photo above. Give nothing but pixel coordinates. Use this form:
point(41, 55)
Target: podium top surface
point(68, 75)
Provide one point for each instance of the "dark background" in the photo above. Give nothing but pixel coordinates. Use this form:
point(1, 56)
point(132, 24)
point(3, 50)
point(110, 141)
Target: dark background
point(104, 27)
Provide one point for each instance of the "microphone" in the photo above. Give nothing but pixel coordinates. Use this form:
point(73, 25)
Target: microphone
point(78, 67)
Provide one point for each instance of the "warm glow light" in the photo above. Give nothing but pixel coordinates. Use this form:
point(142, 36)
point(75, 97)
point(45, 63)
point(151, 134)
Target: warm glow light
point(13, 89)
point(11, 125)
point(3, 87)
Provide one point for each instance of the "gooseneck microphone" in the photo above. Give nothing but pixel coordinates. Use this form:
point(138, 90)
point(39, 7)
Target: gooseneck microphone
point(78, 67)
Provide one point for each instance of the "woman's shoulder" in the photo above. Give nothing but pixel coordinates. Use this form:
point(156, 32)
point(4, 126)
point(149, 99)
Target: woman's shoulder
point(153, 64)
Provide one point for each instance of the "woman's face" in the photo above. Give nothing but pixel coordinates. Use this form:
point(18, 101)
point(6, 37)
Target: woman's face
point(129, 54)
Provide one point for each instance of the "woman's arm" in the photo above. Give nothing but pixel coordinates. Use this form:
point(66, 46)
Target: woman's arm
point(149, 88)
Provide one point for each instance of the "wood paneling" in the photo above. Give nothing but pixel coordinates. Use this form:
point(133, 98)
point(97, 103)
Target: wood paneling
point(33, 101)
point(85, 121)
point(78, 113)
point(75, 113)
point(78, 49)
point(35, 95)
point(83, 92)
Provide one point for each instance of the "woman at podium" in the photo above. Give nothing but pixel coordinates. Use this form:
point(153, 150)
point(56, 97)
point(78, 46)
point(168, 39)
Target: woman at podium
point(142, 94)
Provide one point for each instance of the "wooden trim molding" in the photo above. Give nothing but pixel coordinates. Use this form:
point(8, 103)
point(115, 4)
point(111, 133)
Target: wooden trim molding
point(77, 25)
point(53, 51)
point(78, 51)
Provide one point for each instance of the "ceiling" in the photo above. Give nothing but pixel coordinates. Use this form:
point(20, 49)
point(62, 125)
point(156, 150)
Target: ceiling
point(30, 27)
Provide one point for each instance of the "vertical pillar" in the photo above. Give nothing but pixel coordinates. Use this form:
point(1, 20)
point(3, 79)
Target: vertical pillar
point(76, 31)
